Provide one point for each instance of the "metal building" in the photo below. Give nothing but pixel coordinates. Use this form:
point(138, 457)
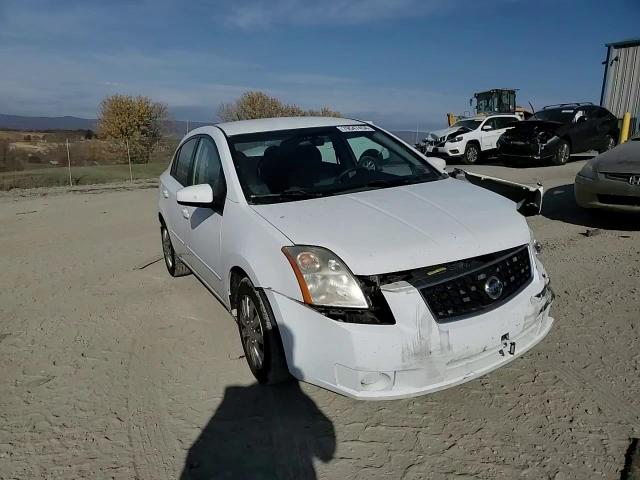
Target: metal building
point(621, 84)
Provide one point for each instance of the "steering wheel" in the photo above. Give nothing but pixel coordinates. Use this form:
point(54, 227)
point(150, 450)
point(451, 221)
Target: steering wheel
point(365, 163)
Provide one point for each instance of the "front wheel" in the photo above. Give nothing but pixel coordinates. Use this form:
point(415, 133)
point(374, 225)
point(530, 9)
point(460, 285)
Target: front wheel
point(471, 154)
point(562, 154)
point(259, 335)
point(609, 143)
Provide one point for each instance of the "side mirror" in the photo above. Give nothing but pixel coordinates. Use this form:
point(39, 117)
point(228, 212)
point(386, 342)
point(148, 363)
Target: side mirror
point(196, 196)
point(439, 163)
point(486, 128)
point(581, 119)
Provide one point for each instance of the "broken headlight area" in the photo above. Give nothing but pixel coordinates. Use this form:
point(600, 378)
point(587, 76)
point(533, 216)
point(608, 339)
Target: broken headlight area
point(378, 313)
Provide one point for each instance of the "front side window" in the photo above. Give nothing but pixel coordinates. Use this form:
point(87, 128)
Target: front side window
point(183, 162)
point(315, 162)
point(491, 123)
point(207, 167)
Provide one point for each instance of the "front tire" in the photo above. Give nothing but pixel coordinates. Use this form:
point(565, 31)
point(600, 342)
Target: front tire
point(260, 336)
point(471, 154)
point(174, 265)
point(562, 153)
point(610, 142)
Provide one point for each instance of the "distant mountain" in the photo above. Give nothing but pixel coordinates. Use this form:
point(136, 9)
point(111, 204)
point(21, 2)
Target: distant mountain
point(175, 127)
point(21, 122)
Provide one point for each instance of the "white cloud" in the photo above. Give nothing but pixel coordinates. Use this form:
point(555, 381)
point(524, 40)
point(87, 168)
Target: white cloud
point(260, 14)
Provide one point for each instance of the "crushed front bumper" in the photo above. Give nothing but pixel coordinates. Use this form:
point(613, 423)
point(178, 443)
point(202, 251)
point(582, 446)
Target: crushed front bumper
point(415, 356)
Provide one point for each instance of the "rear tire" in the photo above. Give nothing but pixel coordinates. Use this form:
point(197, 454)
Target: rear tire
point(610, 142)
point(174, 265)
point(260, 336)
point(471, 154)
point(562, 153)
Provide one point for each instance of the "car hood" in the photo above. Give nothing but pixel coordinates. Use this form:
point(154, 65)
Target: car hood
point(624, 158)
point(401, 228)
point(438, 134)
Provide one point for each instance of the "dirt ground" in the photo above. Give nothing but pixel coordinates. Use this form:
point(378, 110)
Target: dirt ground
point(109, 368)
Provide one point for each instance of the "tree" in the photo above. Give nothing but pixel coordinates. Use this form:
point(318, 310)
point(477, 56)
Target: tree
point(255, 104)
point(136, 120)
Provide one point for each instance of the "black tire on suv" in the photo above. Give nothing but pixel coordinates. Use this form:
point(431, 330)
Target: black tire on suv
point(562, 153)
point(609, 143)
point(471, 153)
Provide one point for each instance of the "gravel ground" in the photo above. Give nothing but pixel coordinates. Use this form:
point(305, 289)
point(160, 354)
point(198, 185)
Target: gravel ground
point(109, 368)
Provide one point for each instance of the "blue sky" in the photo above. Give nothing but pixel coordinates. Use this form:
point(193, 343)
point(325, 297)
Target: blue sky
point(397, 62)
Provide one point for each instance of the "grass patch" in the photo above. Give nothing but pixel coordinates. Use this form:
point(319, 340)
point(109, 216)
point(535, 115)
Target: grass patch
point(59, 176)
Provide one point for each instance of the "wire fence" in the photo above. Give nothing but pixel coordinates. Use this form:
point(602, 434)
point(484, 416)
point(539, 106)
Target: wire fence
point(29, 160)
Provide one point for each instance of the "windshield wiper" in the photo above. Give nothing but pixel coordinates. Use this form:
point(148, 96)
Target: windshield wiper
point(293, 193)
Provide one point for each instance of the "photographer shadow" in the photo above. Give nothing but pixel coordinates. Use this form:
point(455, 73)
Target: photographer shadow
point(262, 432)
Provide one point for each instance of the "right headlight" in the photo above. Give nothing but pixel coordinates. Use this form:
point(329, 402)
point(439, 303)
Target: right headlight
point(587, 171)
point(324, 279)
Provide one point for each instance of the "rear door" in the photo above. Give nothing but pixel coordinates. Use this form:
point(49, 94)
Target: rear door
point(502, 124)
point(203, 227)
point(582, 131)
point(178, 178)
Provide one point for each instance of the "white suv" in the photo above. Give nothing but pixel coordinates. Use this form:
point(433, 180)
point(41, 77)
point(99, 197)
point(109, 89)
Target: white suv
point(467, 138)
point(348, 259)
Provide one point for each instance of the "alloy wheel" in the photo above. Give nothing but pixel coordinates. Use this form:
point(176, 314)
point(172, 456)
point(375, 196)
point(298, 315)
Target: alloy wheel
point(472, 155)
point(251, 332)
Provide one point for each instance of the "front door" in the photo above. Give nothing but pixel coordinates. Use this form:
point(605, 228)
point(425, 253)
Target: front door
point(489, 137)
point(204, 225)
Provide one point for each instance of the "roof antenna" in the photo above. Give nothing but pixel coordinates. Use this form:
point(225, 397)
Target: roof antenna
point(533, 110)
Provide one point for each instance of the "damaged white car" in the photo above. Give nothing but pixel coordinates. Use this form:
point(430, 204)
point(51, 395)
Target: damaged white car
point(348, 259)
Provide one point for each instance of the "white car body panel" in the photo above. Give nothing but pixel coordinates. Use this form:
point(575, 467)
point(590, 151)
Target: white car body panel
point(386, 236)
point(373, 232)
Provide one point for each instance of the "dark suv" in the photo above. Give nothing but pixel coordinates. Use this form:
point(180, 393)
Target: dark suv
point(557, 131)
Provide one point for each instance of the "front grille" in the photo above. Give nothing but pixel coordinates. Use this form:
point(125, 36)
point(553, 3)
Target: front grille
point(621, 177)
point(464, 293)
point(620, 200)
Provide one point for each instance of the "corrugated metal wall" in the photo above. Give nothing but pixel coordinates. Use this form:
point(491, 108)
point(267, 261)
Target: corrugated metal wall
point(622, 84)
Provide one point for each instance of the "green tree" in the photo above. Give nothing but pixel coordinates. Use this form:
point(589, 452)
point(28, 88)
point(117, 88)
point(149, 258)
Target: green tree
point(136, 120)
point(255, 104)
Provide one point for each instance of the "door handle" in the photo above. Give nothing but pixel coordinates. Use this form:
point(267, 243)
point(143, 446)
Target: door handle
point(185, 213)
point(165, 193)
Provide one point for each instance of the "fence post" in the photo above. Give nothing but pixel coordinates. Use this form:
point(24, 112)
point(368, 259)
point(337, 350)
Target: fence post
point(69, 164)
point(129, 157)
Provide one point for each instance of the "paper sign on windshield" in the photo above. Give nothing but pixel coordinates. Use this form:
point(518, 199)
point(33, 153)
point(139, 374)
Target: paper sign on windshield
point(355, 128)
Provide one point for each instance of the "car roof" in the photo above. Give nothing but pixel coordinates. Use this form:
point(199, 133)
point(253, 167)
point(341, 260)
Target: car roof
point(282, 123)
point(480, 118)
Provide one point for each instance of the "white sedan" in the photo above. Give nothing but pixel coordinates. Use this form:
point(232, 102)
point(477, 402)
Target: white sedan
point(348, 259)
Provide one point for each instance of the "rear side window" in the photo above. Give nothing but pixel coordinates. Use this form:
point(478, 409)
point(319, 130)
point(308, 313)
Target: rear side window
point(504, 122)
point(183, 162)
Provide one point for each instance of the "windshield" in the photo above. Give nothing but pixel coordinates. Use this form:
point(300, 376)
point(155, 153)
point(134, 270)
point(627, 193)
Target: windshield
point(315, 162)
point(562, 115)
point(470, 124)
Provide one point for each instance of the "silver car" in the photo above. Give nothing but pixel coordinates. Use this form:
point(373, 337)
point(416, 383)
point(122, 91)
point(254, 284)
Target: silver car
point(611, 180)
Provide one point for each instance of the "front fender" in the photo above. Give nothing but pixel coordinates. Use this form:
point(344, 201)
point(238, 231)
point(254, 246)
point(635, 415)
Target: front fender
point(252, 244)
